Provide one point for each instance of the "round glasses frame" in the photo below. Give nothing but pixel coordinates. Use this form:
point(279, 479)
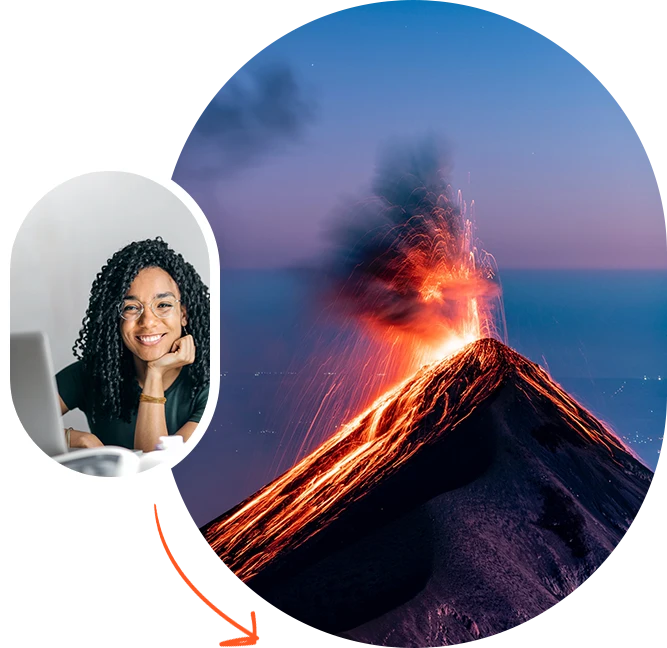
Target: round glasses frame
point(137, 314)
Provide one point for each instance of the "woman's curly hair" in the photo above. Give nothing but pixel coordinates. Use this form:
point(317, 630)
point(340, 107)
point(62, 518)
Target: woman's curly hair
point(108, 365)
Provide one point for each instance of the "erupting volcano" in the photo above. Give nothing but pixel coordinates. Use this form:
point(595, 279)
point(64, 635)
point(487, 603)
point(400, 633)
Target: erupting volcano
point(468, 498)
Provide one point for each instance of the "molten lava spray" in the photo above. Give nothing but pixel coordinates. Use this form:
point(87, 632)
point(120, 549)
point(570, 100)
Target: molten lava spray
point(408, 265)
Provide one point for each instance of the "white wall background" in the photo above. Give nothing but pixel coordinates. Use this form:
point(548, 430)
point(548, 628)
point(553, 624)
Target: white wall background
point(67, 238)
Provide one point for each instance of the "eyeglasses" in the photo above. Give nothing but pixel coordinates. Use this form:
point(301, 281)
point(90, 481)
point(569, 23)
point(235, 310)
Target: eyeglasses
point(131, 309)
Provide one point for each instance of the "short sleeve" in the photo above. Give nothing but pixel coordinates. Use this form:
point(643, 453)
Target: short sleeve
point(199, 405)
point(71, 386)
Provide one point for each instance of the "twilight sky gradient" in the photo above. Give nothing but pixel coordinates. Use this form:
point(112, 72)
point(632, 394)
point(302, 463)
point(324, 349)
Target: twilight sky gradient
point(558, 175)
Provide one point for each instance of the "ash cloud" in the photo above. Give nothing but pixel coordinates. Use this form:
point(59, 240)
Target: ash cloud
point(410, 188)
point(252, 117)
point(386, 245)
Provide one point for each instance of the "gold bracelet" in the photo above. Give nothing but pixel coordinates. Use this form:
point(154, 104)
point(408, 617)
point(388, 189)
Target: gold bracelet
point(68, 434)
point(158, 400)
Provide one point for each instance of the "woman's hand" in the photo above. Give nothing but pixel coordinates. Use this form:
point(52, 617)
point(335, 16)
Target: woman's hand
point(79, 439)
point(182, 353)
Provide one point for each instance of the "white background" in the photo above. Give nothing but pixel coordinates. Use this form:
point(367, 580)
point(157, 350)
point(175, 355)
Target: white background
point(67, 238)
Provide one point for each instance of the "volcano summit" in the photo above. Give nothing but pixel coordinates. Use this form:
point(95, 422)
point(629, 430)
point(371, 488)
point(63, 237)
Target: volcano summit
point(468, 499)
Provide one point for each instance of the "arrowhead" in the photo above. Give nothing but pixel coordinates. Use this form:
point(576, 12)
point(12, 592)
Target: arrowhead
point(250, 640)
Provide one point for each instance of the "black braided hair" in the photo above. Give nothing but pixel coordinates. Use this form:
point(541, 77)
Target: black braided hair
point(108, 365)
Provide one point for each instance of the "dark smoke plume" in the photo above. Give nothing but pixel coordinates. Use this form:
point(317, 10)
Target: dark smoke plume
point(250, 118)
point(406, 247)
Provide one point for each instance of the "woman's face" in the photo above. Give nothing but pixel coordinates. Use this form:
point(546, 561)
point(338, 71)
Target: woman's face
point(149, 337)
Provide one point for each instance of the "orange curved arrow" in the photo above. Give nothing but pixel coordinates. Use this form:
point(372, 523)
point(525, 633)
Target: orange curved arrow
point(251, 637)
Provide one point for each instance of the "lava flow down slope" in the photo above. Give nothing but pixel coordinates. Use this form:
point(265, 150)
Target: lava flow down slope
point(465, 501)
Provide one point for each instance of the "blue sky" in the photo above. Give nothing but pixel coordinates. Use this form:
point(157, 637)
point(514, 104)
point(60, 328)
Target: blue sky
point(557, 173)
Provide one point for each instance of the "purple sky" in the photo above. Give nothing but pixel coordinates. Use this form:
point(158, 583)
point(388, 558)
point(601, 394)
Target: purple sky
point(558, 175)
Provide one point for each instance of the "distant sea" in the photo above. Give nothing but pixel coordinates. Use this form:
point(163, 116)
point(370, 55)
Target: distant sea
point(601, 334)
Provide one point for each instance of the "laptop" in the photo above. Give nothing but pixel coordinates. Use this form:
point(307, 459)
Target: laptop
point(37, 404)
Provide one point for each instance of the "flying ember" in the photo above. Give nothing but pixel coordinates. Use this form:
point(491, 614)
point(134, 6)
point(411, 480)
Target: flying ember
point(411, 286)
point(409, 267)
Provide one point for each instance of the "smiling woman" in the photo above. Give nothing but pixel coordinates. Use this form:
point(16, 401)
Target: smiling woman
point(140, 374)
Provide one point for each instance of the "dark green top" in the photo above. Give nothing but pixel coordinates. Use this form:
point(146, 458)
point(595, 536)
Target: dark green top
point(179, 408)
